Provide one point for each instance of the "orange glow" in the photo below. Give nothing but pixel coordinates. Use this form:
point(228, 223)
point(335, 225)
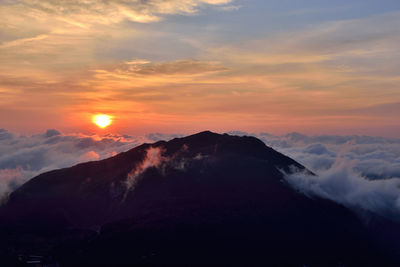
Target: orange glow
point(102, 120)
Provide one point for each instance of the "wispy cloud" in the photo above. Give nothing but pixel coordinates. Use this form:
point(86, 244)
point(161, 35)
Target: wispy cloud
point(179, 67)
point(84, 13)
point(22, 41)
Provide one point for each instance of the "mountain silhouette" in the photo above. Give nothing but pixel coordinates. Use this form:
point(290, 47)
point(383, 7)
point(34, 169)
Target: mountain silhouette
point(205, 198)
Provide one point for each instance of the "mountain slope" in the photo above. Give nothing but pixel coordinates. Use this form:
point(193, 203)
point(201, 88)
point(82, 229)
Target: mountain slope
point(205, 198)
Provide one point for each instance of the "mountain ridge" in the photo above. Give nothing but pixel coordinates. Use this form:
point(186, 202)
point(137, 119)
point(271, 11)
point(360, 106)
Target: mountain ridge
point(198, 194)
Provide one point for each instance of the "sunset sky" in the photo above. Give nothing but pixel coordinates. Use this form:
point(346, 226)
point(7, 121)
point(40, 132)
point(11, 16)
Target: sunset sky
point(311, 66)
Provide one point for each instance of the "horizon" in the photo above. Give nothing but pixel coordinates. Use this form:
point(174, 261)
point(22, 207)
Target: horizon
point(104, 133)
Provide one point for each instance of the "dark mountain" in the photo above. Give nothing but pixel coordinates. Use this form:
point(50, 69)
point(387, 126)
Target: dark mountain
point(205, 198)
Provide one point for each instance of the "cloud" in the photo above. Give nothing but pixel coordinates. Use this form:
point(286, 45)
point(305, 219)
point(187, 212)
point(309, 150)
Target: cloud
point(153, 158)
point(82, 13)
point(90, 156)
point(52, 132)
point(23, 157)
point(22, 41)
point(229, 8)
point(312, 69)
point(5, 135)
point(10, 179)
point(373, 157)
point(309, 77)
point(179, 67)
point(361, 172)
point(154, 137)
point(342, 184)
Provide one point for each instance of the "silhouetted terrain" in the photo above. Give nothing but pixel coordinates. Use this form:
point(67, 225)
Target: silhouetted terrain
point(205, 198)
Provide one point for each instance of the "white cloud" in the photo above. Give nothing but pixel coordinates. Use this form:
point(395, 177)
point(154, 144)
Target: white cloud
point(153, 158)
point(360, 172)
point(373, 157)
point(342, 184)
point(23, 157)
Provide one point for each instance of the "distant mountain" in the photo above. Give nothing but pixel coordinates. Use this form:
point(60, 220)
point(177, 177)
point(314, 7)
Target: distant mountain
point(205, 198)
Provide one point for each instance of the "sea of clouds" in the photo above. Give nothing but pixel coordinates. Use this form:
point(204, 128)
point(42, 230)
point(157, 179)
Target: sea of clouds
point(24, 157)
point(360, 172)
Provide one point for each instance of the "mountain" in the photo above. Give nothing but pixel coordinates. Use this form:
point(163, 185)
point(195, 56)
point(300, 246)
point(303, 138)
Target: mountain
point(204, 198)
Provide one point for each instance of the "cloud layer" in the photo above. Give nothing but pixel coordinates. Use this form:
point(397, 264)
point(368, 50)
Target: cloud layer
point(360, 172)
point(343, 184)
point(372, 157)
point(23, 157)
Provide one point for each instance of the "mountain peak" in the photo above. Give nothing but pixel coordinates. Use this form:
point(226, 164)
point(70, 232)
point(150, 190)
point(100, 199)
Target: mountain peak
point(112, 181)
point(208, 192)
point(205, 133)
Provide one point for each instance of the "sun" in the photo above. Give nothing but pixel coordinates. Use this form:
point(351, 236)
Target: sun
point(102, 120)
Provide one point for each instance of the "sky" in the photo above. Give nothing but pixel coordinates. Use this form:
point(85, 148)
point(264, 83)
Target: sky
point(315, 67)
